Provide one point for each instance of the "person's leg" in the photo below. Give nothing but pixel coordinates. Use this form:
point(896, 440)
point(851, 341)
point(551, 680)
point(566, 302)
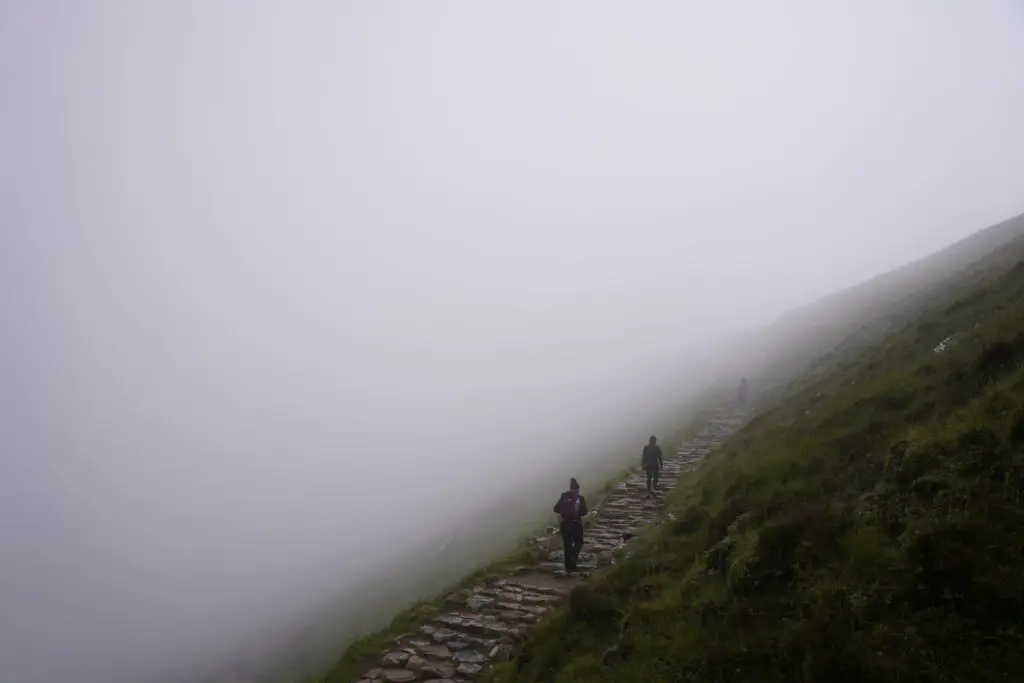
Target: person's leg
point(567, 544)
point(657, 473)
point(577, 543)
point(650, 475)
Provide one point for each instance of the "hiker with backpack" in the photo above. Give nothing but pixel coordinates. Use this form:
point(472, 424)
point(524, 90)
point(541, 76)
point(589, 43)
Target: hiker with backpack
point(652, 462)
point(572, 508)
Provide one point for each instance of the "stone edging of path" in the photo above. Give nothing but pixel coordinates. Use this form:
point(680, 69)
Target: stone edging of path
point(485, 624)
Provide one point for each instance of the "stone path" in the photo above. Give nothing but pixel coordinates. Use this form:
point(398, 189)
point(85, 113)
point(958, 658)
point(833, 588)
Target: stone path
point(486, 623)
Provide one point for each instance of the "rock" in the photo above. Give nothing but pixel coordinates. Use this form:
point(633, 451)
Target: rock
point(374, 674)
point(457, 644)
point(514, 615)
point(470, 670)
point(415, 663)
point(478, 602)
point(442, 670)
point(500, 653)
point(471, 656)
point(442, 635)
point(510, 585)
point(394, 660)
point(399, 676)
point(436, 652)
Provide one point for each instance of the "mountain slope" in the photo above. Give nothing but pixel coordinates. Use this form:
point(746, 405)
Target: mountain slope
point(815, 337)
point(867, 526)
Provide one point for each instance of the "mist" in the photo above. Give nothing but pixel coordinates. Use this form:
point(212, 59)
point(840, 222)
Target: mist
point(290, 292)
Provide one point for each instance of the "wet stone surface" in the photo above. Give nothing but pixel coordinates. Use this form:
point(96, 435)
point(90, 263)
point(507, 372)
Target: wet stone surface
point(484, 624)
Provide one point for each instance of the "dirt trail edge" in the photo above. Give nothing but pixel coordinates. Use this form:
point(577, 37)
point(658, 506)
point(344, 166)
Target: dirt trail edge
point(486, 623)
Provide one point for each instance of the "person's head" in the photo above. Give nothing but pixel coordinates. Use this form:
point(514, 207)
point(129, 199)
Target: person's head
point(654, 440)
point(574, 485)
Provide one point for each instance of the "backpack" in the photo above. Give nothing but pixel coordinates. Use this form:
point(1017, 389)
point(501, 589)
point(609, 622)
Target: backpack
point(569, 508)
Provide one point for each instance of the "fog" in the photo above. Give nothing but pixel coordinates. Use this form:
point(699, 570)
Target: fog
point(290, 291)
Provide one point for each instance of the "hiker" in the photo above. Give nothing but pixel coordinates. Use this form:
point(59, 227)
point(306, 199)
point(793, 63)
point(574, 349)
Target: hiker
point(741, 392)
point(652, 463)
point(572, 508)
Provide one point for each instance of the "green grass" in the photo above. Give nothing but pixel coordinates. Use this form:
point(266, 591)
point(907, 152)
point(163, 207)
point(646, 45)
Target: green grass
point(868, 526)
point(365, 651)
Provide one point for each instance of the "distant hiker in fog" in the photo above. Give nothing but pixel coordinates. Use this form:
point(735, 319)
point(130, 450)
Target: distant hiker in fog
point(572, 508)
point(741, 392)
point(652, 462)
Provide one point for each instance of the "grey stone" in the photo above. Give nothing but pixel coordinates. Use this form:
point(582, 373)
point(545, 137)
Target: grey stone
point(436, 652)
point(394, 659)
point(442, 635)
point(478, 602)
point(470, 670)
point(416, 663)
point(442, 670)
point(500, 653)
point(471, 656)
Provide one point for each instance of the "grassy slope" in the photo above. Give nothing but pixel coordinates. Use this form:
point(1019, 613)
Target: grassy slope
point(868, 527)
point(816, 335)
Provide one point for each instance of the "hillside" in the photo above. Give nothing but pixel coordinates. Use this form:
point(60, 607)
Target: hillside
point(865, 526)
point(813, 338)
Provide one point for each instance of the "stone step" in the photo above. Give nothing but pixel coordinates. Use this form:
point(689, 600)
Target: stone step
point(523, 598)
point(452, 640)
point(480, 624)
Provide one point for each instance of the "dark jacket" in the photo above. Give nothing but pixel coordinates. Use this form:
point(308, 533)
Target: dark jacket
point(568, 494)
point(652, 456)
